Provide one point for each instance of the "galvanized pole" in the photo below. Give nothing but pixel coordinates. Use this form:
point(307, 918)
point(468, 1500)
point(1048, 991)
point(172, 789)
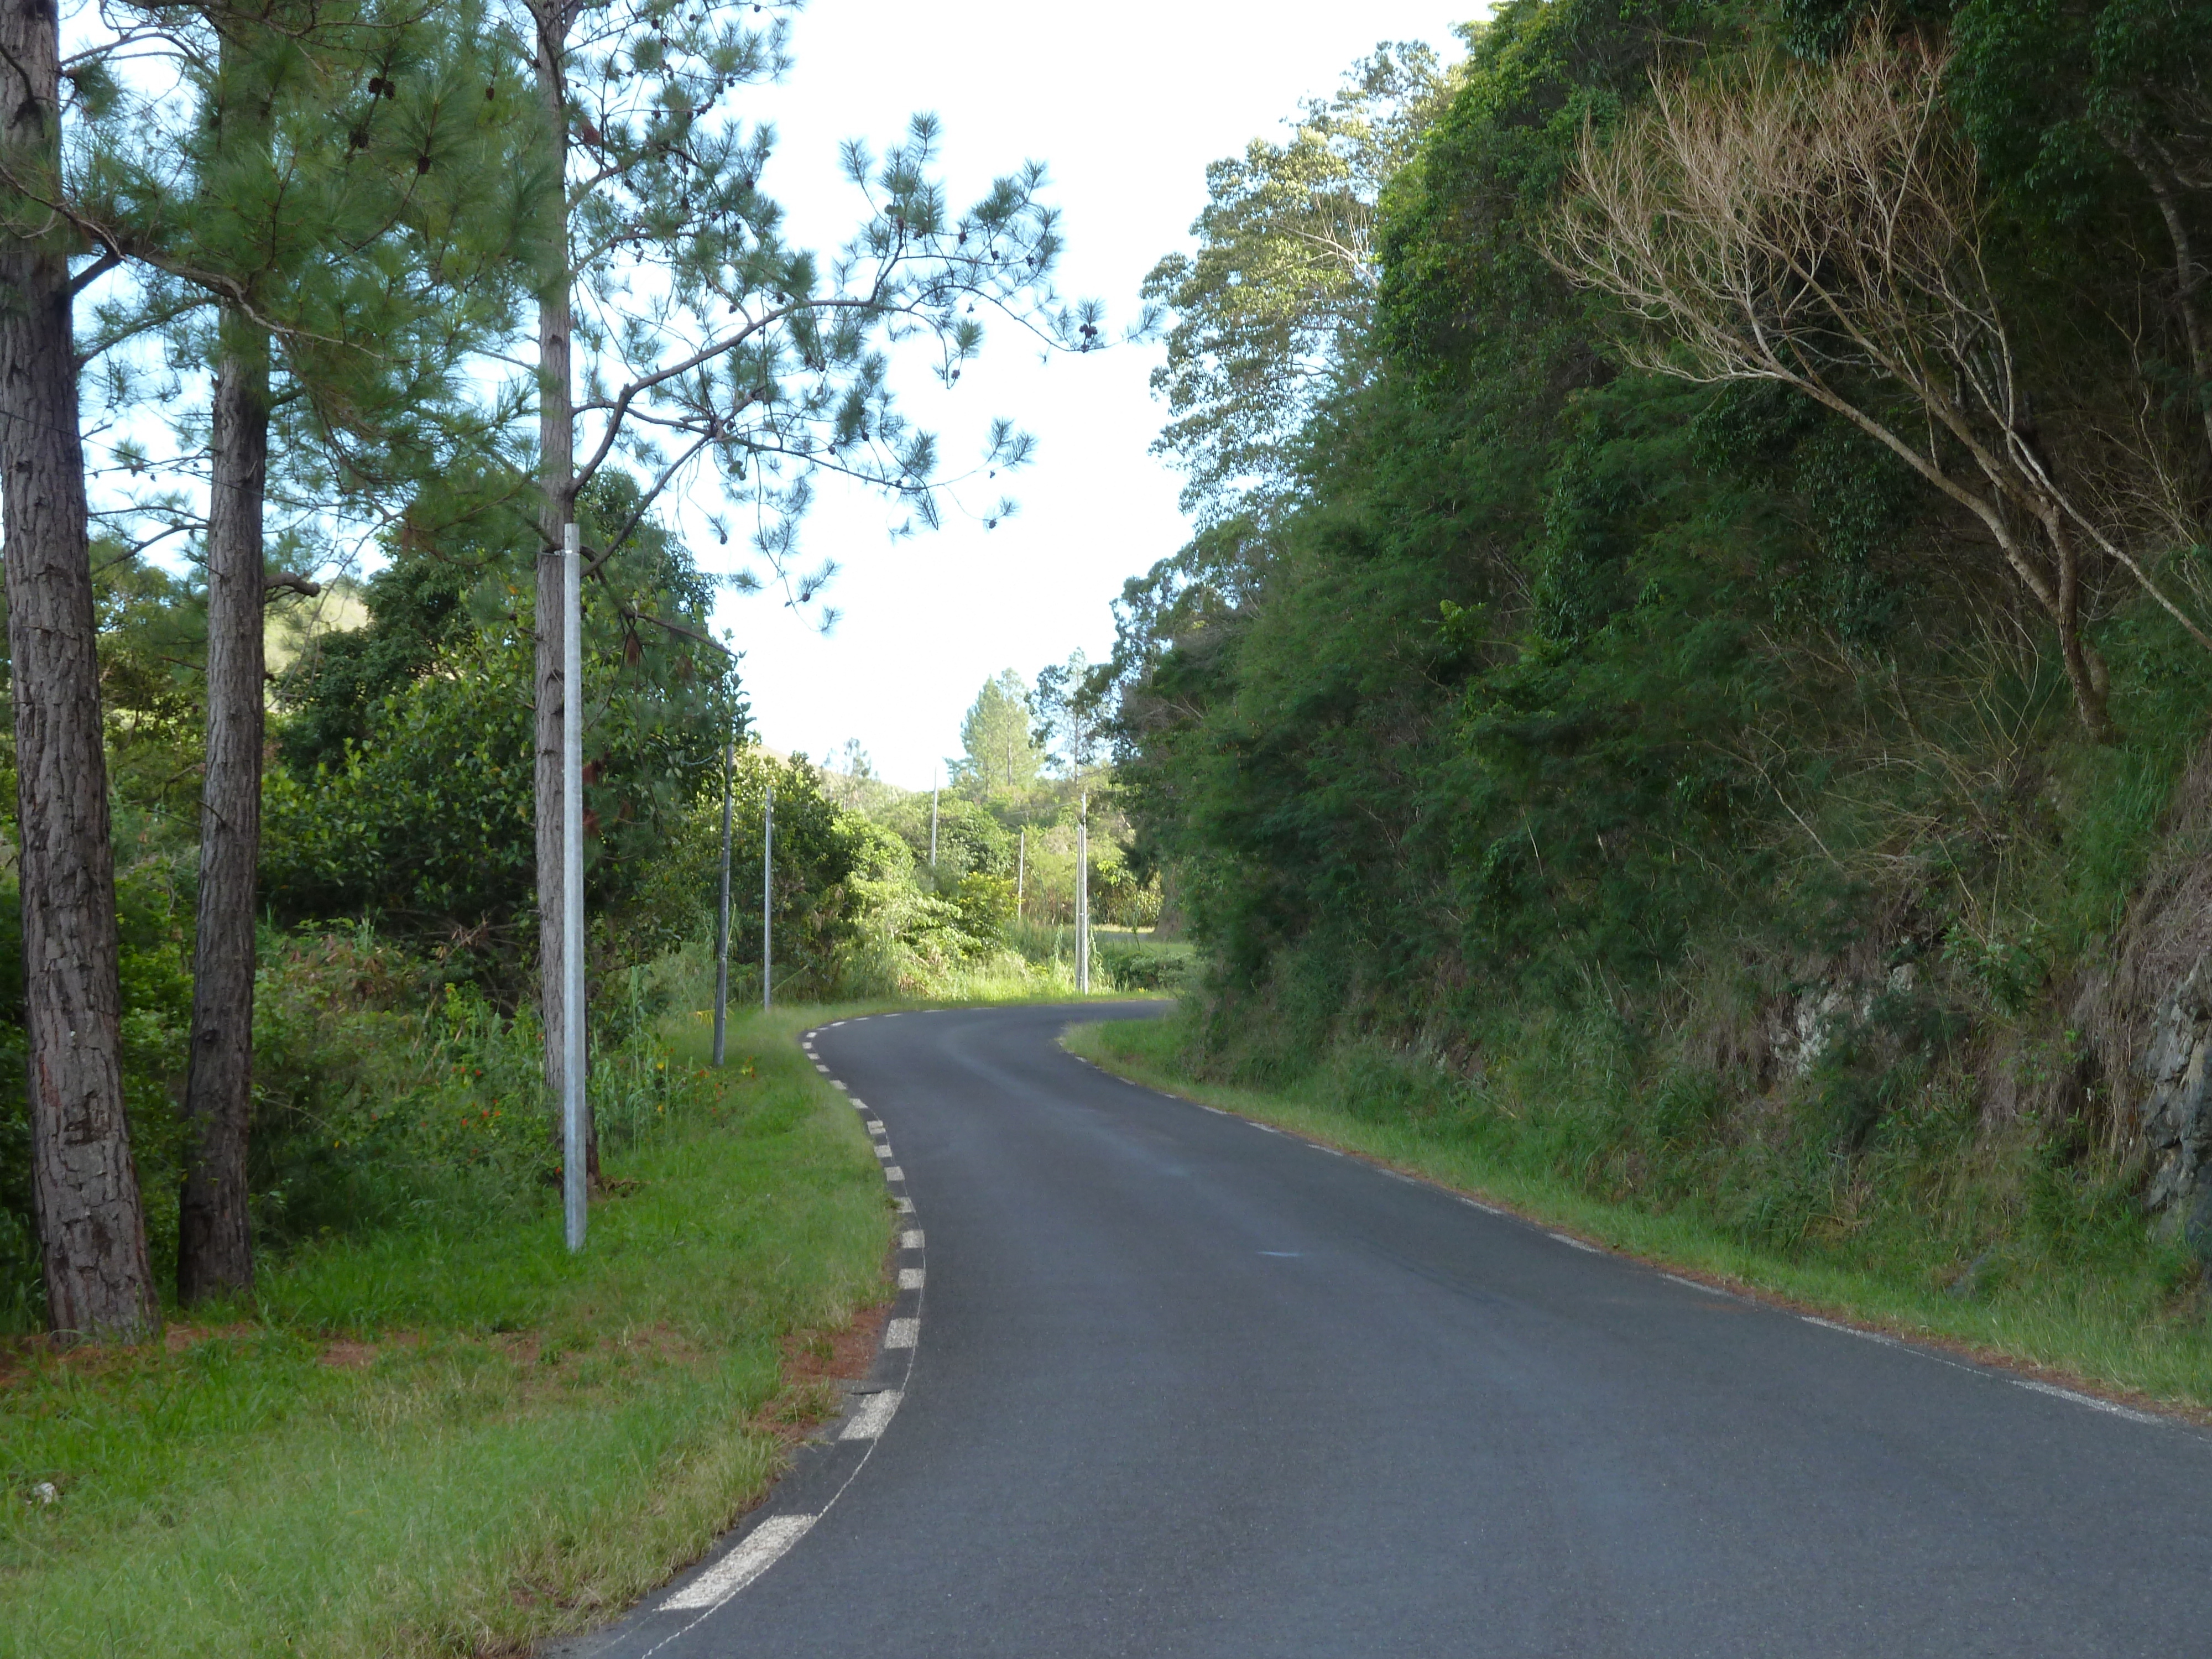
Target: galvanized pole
point(722, 921)
point(1083, 898)
point(573, 1171)
point(767, 891)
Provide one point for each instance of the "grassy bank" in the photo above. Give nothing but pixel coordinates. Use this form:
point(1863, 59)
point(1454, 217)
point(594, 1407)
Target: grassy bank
point(448, 1440)
point(2062, 1277)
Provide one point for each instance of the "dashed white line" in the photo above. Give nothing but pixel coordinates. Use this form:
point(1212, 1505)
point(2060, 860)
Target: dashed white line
point(876, 1125)
point(1575, 1243)
point(901, 1333)
point(1477, 1204)
point(1692, 1285)
point(883, 1152)
point(752, 1558)
point(911, 1239)
point(910, 1279)
point(892, 1172)
point(1265, 1128)
point(835, 1085)
point(820, 1067)
point(905, 1205)
point(1318, 1147)
point(873, 1418)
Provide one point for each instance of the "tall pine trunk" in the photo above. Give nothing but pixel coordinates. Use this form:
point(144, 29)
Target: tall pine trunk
point(215, 1241)
point(92, 1232)
point(556, 478)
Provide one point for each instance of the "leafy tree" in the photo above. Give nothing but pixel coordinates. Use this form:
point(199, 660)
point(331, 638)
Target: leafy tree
point(1274, 304)
point(1068, 704)
point(821, 852)
point(408, 790)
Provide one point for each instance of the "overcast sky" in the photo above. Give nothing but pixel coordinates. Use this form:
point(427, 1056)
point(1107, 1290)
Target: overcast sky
point(1126, 105)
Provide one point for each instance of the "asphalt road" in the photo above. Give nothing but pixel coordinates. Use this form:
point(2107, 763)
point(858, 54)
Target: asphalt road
point(1186, 1387)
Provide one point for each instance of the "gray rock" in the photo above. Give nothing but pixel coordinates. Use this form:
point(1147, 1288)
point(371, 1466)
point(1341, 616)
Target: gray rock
point(2177, 1112)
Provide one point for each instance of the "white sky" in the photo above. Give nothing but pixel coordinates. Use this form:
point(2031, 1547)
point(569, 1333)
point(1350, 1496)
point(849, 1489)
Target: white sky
point(1126, 105)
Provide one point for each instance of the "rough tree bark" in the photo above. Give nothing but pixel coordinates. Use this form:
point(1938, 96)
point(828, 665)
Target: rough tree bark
point(215, 1244)
point(557, 473)
point(92, 1232)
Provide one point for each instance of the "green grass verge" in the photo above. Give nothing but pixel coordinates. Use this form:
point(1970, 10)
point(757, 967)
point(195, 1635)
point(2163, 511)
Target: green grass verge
point(453, 1443)
point(2120, 1328)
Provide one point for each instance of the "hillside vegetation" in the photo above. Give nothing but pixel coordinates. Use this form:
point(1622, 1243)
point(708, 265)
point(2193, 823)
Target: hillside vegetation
point(1694, 678)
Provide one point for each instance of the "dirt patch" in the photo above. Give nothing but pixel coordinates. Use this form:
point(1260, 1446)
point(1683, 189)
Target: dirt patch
point(817, 1364)
point(842, 1355)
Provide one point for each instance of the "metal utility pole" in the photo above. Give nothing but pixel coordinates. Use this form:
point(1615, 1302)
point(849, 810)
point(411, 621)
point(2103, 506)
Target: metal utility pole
point(573, 1170)
point(1083, 898)
point(767, 894)
point(722, 919)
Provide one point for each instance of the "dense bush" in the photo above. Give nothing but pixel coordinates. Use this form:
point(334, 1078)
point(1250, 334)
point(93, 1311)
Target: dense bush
point(1672, 745)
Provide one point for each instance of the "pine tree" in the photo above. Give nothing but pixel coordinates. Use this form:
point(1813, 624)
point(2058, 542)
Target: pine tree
point(706, 340)
point(92, 1230)
point(302, 228)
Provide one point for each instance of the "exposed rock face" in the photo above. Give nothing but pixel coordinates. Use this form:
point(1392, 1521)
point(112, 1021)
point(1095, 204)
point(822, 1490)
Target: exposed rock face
point(2176, 1071)
point(1809, 1023)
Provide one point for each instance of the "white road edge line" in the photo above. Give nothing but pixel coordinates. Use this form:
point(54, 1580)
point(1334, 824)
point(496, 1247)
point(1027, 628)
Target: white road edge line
point(1575, 1243)
point(910, 1279)
point(892, 1172)
point(902, 1333)
point(873, 1418)
point(2088, 1400)
point(911, 1239)
point(1692, 1285)
point(741, 1565)
point(1853, 1330)
point(903, 1204)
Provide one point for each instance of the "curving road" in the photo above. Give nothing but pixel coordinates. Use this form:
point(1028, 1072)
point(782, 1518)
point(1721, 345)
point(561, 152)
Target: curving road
point(1187, 1387)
